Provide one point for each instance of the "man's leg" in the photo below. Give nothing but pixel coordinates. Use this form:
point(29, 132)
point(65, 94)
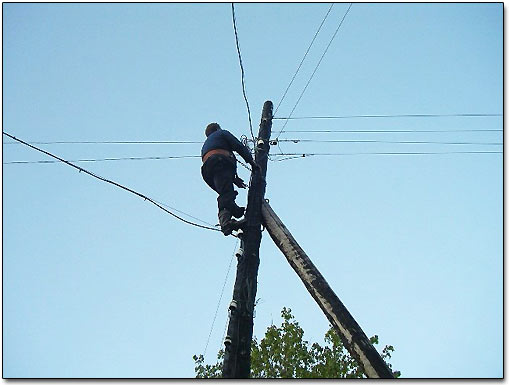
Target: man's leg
point(219, 174)
point(223, 183)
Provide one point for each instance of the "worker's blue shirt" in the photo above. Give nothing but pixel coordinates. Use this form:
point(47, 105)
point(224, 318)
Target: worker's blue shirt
point(222, 139)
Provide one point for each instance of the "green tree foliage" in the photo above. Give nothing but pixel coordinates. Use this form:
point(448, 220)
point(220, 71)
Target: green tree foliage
point(283, 353)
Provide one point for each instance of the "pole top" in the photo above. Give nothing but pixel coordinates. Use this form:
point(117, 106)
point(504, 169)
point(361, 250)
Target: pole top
point(267, 110)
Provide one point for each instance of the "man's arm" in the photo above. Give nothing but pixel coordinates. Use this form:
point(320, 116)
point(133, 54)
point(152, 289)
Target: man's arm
point(239, 148)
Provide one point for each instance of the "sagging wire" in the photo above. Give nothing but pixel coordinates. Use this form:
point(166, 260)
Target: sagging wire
point(80, 169)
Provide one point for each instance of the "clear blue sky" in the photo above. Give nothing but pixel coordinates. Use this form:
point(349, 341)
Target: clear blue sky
point(99, 283)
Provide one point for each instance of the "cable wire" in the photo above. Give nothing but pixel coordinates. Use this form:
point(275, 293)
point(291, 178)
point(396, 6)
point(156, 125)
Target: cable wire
point(392, 131)
point(104, 159)
point(221, 346)
point(242, 70)
point(295, 131)
point(80, 169)
point(387, 142)
point(302, 61)
point(115, 159)
point(244, 165)
point(305, 155)
point(277, 141)
point(390, 116)
point(115, 142)
point(183, 213)
point(316, 68)
point(220, 297)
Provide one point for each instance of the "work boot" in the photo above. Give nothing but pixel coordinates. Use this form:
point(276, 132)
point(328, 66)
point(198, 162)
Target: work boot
point(228, 224)
point(237, 211)
point(225, 221)
point(237, 225)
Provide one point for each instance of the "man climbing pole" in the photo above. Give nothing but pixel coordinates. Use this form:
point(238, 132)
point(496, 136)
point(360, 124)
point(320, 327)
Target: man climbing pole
point(219, 170)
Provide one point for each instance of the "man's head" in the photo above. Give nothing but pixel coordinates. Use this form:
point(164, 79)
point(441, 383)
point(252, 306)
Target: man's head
point(212, 127)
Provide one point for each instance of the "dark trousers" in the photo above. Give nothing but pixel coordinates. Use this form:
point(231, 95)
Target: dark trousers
point(218, 172)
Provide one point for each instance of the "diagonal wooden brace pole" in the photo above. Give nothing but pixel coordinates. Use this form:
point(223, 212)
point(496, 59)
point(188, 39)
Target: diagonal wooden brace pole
point(338, 315)
point(237, 358)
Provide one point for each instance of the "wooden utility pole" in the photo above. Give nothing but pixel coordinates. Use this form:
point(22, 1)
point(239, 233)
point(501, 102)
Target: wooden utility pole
point(237, 358)
point(338, 315)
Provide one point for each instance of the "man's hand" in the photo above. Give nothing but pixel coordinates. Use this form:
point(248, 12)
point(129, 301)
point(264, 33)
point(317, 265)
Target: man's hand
point(237, 181)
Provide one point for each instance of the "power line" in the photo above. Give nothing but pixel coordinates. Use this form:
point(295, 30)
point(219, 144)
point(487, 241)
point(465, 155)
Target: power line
point(302, 61)
point(242, 70)
point(111, 182)
point(277, 141)
point(200, 142)
point(182, 212)
point(104, 159)
point(246, 166)
point(114, 142)
point(293, 131)
point(116, 159)
point(392, 131)
point(221, 346)
point(313, 74)
point(387, 141)
point(305, 155)
point(220, 297)
point(390, 116)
